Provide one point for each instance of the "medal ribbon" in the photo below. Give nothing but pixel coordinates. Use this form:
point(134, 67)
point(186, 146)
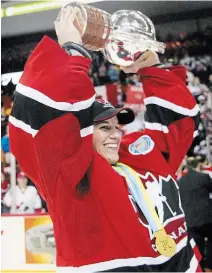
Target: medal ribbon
point(138, 191)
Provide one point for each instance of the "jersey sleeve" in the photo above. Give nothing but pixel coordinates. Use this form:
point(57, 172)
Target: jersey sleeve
point(172, 115)
point(36, 201)
point(51, 123)
point(7, 200)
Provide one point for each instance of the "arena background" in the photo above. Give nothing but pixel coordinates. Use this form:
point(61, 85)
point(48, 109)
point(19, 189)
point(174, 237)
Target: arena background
point(185, 26)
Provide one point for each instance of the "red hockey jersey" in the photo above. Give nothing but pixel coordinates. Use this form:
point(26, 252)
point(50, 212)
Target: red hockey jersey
point(51, 129)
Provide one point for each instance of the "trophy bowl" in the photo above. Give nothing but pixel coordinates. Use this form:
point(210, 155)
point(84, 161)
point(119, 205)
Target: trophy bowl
point(132, 33)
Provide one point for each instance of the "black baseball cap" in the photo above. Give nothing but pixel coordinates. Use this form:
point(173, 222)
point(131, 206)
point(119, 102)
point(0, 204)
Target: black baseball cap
point(104, 110)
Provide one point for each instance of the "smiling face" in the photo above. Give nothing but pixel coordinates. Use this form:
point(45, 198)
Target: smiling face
point(107, 138)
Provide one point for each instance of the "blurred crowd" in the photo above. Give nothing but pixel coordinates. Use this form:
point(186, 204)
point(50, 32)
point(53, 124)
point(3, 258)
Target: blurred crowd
point(192, 51)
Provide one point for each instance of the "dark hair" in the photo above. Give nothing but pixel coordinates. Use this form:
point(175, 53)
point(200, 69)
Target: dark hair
point(192, 163)
point(201, 158)
point(83, 186)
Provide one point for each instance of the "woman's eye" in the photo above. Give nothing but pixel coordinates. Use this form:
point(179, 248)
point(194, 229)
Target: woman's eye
point(118, 128)
point(104, 128)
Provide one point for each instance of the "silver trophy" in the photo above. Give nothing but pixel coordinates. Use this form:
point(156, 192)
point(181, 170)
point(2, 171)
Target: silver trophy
point(121, 36)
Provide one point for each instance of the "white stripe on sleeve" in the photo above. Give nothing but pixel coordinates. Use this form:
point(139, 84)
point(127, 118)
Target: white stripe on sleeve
point(21, 125)
point(63, 106)
point(86, 131)
point(156, 126)
point(28, 129)
point(172, 106)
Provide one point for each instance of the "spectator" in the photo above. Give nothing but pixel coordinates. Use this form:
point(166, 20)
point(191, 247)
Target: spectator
point(202, 103)
point(5, 141)
point(26, 197)
point(95, 79)
point(202, 148)
point(4, 184)
point(2, 157)
point(195, 189)
point(203, 165)
point(4, 121)
point(103, 77)
point(133, 79)
point(189, 77)
point(102, 70)
point(113, 73)
point(194, 87)
point(4, 188)
point(210, 82)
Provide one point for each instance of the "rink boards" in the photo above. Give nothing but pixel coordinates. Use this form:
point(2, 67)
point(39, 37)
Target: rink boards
point(27, 244)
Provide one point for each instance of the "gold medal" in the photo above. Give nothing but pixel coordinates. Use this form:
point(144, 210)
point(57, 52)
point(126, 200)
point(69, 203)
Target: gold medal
point(165, 245)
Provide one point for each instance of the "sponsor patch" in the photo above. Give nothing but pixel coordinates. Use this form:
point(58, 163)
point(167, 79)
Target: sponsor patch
point(143, 145)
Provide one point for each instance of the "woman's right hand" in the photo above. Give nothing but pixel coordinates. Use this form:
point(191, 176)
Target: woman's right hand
point(69, 25)
point(147, 59)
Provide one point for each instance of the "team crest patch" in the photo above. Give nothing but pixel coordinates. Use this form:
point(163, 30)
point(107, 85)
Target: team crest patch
point(142, 146)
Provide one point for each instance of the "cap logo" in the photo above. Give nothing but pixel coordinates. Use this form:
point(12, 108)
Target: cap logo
point(105, 103)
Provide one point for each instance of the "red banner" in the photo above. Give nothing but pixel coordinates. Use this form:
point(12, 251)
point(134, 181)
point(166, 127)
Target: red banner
point(135, 94)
